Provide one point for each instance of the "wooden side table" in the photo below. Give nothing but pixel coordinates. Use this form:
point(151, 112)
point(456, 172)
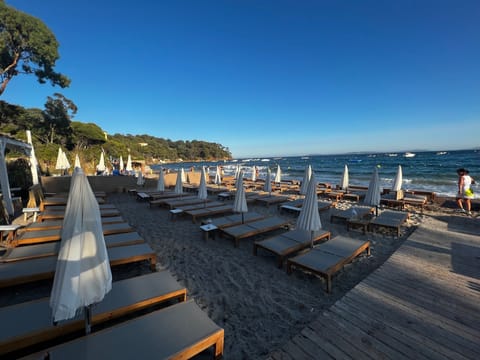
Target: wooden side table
point(208, 229)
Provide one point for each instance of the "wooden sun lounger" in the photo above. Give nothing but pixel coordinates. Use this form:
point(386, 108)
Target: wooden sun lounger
point(328, 258)
point(271, 199)
point(289, 243)
point(389, 219)
point(51, 249)
point(179, 331)
point(209, 211)
point(63, 207)
point(30, 323)
point(55, 201)
point(173, 204)
point(59, 215)
point(166, 201)
point(253, 228)
point(40, 236)
point(297, 206)
point(202, 205)
point(57, 224)
point(167, 195)
point(236, 219)
point(21, 272)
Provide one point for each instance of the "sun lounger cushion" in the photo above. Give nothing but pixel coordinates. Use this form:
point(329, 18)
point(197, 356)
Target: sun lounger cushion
point(290, 242)
point(236, 219)
point(29, 323)
point(20, 272)
point(390, 219)
point(32, 237)
point(20, 253)
point(179, 331)
point(329, 257)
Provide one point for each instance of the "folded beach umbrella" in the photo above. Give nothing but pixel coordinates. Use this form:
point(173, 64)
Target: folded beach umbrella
point(183, 176)
point(372, 197)
point(82, 275)
point(278, 175)
point(345, 179)
point(59, 164)
point(397, 182)
point(161, 180)
point(268, 182)
point(309, 218)
point(77, 161)
point(306, 178)
point(240, 202)
point(65, 161)
point(202, 189)
point(122, 165)
point(179, 183)
point(129, 164)
point(254, 173)
point(101, 164)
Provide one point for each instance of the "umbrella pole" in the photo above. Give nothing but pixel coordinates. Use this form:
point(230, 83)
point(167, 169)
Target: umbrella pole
point(88, 320)
point(311, 239)
point(243, 221)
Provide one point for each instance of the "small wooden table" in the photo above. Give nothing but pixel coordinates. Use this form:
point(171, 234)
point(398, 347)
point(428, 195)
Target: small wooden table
point(208, 228)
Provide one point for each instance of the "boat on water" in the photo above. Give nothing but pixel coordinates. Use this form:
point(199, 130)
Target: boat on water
point(409, 155)
point(392, 154)
point(441, 153)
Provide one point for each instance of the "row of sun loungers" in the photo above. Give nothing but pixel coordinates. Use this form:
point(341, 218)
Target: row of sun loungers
point(181, 330)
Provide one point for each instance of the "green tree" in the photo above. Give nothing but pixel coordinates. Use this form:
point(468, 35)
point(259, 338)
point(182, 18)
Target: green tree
point(86, 134)
point(57, 116)
point(27, 46)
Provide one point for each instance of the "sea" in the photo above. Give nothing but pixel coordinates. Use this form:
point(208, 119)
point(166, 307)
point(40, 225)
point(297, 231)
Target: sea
point(425, 170)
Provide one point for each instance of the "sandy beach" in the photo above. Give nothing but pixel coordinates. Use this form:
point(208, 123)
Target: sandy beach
point(259, 305)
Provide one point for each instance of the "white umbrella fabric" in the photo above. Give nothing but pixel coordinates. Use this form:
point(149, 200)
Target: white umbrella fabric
point(278, 175)
point(397, 182)
point(82, 275)
point(309, 218)
point(240, 202)
point(65, 161)
point(306, 178)
point(161, 180)
point(122, 165)
point(59, 164)
point(218, 176)
point(129, 164)
point(179, 183)
point(183, 176)
point(254, 173)
point(345, 178)
point(268, 182)
point(202, 188)
point(101, 164)
point(372, 197)
point(77, 161)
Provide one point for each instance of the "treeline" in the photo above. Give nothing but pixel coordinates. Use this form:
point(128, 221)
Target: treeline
point(52, 127)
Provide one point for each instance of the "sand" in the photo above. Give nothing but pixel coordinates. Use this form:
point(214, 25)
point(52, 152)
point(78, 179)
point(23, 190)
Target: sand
point(259, 305)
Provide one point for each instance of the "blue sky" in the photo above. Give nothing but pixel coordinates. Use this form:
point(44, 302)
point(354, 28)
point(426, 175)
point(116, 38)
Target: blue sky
point(270, 78)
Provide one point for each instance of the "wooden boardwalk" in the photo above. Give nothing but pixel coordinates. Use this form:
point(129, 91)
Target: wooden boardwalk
point(423, 303)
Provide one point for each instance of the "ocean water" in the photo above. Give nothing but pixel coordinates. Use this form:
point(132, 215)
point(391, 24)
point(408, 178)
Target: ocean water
point(431, 171)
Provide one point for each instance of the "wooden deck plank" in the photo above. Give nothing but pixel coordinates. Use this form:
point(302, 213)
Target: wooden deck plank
point(421, 303)
point(434, 300)
point(442, 332)
point(380, 320)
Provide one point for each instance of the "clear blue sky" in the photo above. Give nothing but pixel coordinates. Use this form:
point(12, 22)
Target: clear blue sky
point(270, 77)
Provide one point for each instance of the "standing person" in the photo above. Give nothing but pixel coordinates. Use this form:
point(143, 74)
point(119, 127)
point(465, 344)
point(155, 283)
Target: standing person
point(465, 192)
